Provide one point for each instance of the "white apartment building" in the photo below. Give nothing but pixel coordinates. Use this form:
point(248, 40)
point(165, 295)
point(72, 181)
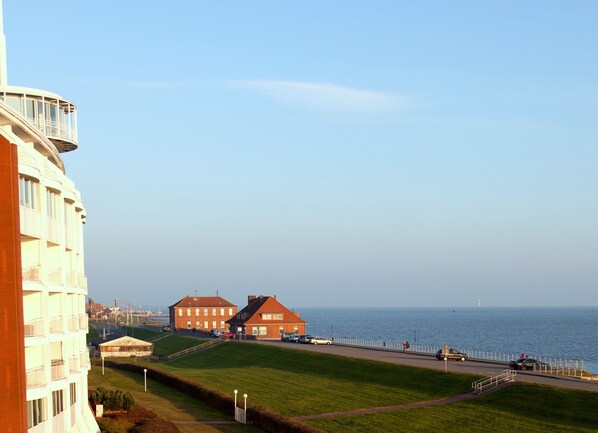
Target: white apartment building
point(41, 125)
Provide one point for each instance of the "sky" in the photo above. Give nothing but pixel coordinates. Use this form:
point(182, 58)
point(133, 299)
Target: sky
point(332, 153)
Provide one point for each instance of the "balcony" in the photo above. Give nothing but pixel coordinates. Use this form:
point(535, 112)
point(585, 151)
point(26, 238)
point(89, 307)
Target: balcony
point(31, 273)
point(35, 377)
point(84, 322)
point(54, 231)
point(82, 281)
point(84, 359)
point(73, 323)
point(55, 276)
point(74, 364)
point(58, 369)
point(34, 328)
point(57, 325)
point(71, 279)
point(31, 222)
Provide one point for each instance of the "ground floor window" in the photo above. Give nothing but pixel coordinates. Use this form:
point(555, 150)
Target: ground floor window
point(188, 325)
point(197, 325)
point(57, 402)
point(259, 330)
point(36, 412)
point(205, 324)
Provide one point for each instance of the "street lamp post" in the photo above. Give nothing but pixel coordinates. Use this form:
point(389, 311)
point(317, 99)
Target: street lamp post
point(145, 379)
point(445, 365)
point(245, 404)
point(236, 392)
point(102, 365)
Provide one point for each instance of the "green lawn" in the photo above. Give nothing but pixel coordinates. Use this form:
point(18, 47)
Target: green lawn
point(520, 407)
point(167, 402)
point(163, 347)
point(295, 382)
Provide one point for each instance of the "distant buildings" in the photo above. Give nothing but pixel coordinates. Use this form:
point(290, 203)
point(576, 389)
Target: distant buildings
point(201, 313)
point(44, 360)
point(265, 318)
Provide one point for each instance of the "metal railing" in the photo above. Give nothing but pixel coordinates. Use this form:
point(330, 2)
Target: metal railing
point(484, 385)
point(73, 323)
point(58, 369)
point(73, 364)
point(31, 273)
point(197, 348)
point(546, 364)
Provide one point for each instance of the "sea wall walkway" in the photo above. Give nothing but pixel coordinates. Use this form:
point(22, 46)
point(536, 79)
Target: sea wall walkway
point(480, 368)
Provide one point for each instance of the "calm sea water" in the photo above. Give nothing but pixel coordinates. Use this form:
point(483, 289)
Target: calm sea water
point(569, 333)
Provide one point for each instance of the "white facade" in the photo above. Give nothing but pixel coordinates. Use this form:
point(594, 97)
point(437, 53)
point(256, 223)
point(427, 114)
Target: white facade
point(42, 125)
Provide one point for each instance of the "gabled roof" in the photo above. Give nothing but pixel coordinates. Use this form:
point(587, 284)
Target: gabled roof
point(254, 312)
point(202, 301)
point(126, 341)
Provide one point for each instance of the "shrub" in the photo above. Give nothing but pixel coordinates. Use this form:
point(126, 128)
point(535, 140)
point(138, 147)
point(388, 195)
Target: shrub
point(128, 401)
point(110, 425)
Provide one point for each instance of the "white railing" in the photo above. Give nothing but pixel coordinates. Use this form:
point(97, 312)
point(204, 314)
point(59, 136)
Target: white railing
point(485, 385)
point(54, 231)
point(34, 328)
point(71, 279)
point(57, 325)
point(54, 129)
point(31, 222)
point(55, 276)
point(84, 355)
point(73, 364)
point(73, 323)
point(35, 377)
point(31, 273)
point(82, 281)
point(58, 369)
point(240, 415)
point(84, 322)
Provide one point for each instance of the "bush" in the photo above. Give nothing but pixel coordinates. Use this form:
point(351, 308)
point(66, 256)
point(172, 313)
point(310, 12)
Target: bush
point(110, 425)
point(113, 400)
point(128, 401)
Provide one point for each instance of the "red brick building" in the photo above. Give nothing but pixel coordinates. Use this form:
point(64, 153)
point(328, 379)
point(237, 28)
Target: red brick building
point(202, 313)
point(266, 319)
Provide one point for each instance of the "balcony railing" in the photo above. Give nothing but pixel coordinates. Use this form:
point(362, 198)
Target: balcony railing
point(35, 377)
point(71, 279)
point(31, 222)
point(84, 322)
point(34, 328)
point(58, 369)
point(82, 281)
point(74, 364)
point(84, 355)
point(31, 273)
point(54, 232)
point(55, 276)
point(57, 325)
point(73, 323)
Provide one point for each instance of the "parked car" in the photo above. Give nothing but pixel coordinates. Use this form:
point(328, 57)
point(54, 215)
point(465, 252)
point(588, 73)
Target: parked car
point(451, 354)
point(305, 338)
point(166, 328)
point(320, 340)
point(527, 364)
point(226, 335)
point(294, 338)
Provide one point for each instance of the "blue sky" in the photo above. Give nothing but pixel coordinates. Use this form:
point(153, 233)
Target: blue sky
point(334, 153)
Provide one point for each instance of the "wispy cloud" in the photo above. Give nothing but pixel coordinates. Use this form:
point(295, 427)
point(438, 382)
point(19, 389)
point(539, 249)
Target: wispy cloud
point(324, 97)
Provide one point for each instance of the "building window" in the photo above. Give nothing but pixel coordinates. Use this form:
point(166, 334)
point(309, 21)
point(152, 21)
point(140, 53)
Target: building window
point(28, 192)
point(57, 402)
point(180, 311)
point(259, 330)
point(205, 324)
point(281, 329)
point(188, 311)
point(36, 412)
point(197, 311)
point(277, 316)
point(214, 324)
point(295, 329)
point(52, 203)
point(222, 324)
point(222, 311)
point(266, 316)
point(205, 311)
point(254, 330)
point(213, 311)
point(73, 392)
point(263, 330)
point(198, 324)
point(188, 325)
point(230, 312)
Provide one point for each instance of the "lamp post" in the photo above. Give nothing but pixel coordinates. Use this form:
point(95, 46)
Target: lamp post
point(102, 365)
point(145, 379)
point(236, 392)
point(245, 404)
point(445, 366)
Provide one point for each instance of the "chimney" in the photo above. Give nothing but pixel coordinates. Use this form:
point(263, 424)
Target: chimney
point(250, 299)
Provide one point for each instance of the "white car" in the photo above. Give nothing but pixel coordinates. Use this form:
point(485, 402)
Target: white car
point(320, 340)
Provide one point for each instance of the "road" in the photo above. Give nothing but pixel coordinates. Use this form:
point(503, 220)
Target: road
point(481, 368)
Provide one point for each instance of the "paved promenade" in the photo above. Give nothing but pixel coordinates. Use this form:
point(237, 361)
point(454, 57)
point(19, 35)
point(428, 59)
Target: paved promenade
point(481, 368)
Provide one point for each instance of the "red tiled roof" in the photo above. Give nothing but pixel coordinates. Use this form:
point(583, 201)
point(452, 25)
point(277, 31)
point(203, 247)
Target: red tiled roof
point(202, 301)
point(252, 313)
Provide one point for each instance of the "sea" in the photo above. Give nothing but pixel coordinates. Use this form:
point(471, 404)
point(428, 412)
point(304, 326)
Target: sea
point(567, 333)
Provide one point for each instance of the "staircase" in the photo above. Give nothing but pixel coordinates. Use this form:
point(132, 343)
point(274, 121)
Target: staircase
point(493, 383)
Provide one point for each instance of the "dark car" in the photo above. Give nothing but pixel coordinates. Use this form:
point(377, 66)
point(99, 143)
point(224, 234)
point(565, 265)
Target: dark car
point(305, 339)
point(527, 364)
point(451, 354)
